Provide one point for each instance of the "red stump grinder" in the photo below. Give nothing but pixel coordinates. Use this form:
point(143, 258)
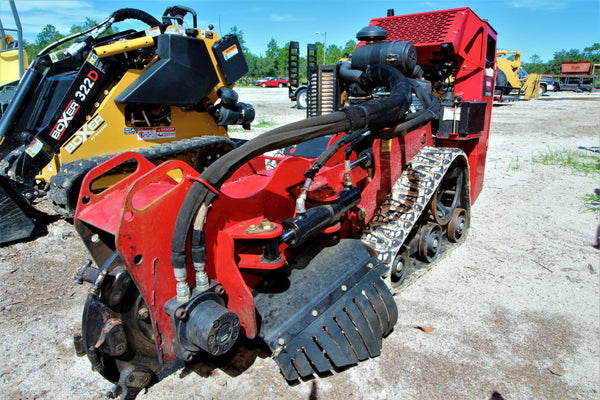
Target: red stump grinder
point(297, 250)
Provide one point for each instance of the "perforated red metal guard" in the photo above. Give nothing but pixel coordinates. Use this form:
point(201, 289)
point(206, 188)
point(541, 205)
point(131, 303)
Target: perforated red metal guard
point(426, 28)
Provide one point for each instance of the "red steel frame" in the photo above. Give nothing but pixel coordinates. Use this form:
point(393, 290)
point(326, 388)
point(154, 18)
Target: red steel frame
point(140, 210)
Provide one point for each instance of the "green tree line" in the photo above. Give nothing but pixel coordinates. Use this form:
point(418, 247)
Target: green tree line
point(50, 34)
point(275, 60)
point(552, 67)
point(273, 63)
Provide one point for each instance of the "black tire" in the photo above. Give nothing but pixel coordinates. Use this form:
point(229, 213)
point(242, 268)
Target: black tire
point(301, 99)
point(280, 85)
point(263, 85)
point(542, 90)
point(502, 82)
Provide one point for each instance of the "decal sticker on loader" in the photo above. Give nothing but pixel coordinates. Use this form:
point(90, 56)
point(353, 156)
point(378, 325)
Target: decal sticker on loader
point(451, 114)
point(92, 58)
point(153, 32)
point(34, 148)
point(88, 130)
point(78, 98)
point(64, 120)
point(151, 133)
point(488, 86)
point(87, 85)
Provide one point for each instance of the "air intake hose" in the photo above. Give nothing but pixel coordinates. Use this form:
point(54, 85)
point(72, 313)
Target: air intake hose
point(376, 114)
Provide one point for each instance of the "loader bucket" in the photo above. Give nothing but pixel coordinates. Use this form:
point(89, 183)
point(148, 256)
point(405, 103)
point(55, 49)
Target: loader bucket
point(15, 221)
point(333, 314)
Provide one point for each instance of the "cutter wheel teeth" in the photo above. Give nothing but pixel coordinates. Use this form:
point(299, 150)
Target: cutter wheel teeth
point(116, 333)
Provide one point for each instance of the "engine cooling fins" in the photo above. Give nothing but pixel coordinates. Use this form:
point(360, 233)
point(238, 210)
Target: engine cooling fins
point(334, 313)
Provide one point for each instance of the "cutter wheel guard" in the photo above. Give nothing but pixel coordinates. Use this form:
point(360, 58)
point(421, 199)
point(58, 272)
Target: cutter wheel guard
point(297, 251)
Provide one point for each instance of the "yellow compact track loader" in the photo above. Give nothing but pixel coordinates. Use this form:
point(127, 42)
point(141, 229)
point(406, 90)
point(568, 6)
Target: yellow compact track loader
point(164, 92)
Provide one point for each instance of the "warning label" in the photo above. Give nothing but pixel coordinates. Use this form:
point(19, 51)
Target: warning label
point(34, 148)
point(230, 52)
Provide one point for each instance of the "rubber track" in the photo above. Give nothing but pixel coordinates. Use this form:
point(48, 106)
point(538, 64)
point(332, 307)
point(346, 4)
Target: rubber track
point(70, 175)
point(402, 208)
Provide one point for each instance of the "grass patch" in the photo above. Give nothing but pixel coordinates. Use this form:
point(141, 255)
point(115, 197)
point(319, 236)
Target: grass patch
point(581, 162)
point(264, 124)
point(514, 163)
point(592, 202)
point(259, 124)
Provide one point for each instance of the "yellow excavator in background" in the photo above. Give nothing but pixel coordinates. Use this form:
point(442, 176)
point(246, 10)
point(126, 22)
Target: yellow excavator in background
point(11, 69)
point(510, 75)
point(13, 59)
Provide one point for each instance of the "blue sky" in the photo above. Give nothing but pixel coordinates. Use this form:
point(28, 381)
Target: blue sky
point(532, 26)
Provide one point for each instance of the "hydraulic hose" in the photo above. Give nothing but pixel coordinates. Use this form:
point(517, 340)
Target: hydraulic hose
point(117, 16)
point(373, 115)
point(133, 13)
point(419, 118)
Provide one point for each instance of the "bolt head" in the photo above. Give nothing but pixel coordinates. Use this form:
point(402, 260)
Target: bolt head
point(180, 313)
point(143, 313)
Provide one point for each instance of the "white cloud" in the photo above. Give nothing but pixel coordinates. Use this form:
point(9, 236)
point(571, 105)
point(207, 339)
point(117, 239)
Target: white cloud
point(284, 18)
point(35, 15)
point(540, 5)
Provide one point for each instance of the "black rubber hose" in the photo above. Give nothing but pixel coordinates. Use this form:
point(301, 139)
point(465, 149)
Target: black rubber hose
point(417, 119)
point(133, 13)
point(225, 166)
point(119, 15)
point(330, 151)
point(374, 114)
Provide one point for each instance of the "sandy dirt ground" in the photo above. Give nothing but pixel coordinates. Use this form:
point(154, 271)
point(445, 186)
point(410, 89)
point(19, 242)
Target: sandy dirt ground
point(515, 308)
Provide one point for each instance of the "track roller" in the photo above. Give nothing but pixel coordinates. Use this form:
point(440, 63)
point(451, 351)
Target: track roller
point(400, 266)
point(430, 242)
point(458, 225)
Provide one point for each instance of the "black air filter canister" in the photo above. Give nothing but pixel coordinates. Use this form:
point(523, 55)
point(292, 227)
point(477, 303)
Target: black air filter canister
point(400, 55)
